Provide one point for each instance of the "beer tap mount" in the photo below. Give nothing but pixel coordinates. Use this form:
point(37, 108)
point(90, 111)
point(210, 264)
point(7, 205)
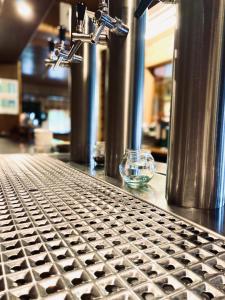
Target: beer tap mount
point(64, 53)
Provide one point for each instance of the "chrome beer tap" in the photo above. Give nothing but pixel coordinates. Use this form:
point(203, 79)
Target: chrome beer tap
point(81, 35)
point(104, 20)
point(64, 54)
point(60, 53)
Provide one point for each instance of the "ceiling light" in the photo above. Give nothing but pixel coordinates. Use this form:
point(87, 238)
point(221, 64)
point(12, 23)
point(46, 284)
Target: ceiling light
point(24, 9)
point(1, 6)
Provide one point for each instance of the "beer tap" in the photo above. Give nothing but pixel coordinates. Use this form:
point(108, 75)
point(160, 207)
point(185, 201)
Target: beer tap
point(64, 54)
point(88, 37)
point(80, 34)
point(60, 53)
point(104, 20)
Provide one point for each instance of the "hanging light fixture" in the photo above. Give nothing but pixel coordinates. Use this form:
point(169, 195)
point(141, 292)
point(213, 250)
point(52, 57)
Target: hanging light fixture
point(24, 9)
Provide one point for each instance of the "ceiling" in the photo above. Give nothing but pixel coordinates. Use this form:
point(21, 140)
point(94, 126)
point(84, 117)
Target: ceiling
point(53, 16)
point(16, 31)
point(27, 41)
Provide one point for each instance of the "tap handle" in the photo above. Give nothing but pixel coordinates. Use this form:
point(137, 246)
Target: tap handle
point(62, 33)
point(81, 8)
point(51, 45)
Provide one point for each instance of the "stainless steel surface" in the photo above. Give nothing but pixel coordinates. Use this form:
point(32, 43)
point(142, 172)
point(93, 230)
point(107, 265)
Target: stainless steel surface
point(74, 49)
point(155, 194)
point(87, 38)
point(62, 53)
point(115, 25)
point(102, 24)
point(125, 92)
point(84, 102)
point(96, 36)
point(66, 235)
point(196, 158)
point(105, 21)
point(63, 61)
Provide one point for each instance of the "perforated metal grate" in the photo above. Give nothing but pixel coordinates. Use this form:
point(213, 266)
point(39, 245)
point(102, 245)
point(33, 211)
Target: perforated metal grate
point(65, 235)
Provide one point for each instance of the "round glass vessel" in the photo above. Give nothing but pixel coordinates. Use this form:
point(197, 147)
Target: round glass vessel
point(137, 168)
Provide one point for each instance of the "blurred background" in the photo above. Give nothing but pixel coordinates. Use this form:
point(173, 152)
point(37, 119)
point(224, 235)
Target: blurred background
point(32, 96)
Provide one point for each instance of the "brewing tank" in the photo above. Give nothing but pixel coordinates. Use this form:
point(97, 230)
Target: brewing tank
point(196, 164)
point(124, 107)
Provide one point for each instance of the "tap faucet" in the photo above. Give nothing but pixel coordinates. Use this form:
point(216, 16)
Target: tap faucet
point(80, 36)
point(60, 53)
point(63, 54)
point(104, 20)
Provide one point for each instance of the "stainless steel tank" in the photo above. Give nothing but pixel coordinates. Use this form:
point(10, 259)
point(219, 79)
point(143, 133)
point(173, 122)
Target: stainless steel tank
point(124, 107)
point(84, 102)
point(196, 165)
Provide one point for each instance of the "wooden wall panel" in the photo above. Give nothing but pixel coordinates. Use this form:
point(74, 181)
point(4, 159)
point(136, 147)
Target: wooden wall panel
point(159, 50)
point(149, 91)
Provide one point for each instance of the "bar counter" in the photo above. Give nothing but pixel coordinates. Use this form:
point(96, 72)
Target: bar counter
point(67, 235)
point(155, 194)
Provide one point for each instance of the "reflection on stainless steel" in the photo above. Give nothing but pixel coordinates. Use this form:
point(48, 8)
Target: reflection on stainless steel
point(61, 54)
point(197, 154)
point(125, 93)
point(155, 194)
point(78, 34)
point(87, 38)
point(115, 25)
point(65, 235)
point(84, 86)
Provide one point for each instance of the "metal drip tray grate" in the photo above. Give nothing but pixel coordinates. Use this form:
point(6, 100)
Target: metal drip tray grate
point(65, 235)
